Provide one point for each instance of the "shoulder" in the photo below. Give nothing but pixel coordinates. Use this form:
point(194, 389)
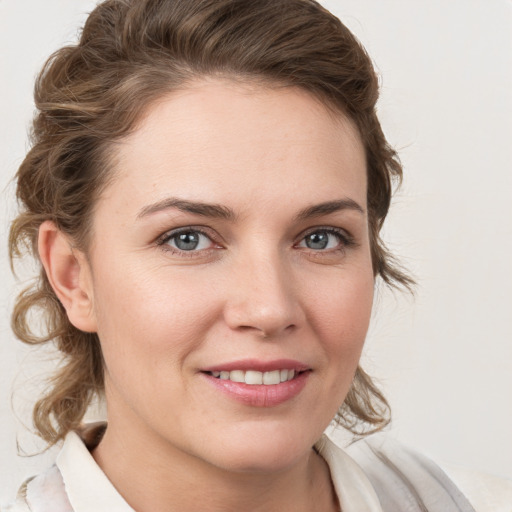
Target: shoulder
point(407, 480)
point(48, 491)
point(20, 505)
point(486, 492)
point(42, 493)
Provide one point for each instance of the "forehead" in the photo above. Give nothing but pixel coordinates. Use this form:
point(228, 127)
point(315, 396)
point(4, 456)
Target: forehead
point(218, 138)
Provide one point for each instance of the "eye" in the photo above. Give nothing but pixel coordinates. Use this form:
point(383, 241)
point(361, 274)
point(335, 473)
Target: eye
point(187, 240)
point(325, 239)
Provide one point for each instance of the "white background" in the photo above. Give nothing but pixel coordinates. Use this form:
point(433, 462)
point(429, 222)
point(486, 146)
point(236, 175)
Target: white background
point(443, 359)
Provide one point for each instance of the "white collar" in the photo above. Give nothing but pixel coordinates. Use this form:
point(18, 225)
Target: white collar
point(87, 487)
point(354, 490)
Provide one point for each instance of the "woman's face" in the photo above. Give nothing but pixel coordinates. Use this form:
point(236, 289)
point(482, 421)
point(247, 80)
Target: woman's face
point(231, 246)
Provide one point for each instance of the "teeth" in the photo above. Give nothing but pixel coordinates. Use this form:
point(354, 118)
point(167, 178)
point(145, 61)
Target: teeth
point(237, 376)
point(254, 377)
point(272, 377)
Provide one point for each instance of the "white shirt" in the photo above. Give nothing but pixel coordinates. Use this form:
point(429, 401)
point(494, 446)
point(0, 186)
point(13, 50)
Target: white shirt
point(77, 484)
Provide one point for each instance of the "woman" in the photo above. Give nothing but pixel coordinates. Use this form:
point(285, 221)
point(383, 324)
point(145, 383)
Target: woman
point(205, 193)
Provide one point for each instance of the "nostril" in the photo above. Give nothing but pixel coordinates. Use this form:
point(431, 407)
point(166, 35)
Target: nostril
point(266, 332)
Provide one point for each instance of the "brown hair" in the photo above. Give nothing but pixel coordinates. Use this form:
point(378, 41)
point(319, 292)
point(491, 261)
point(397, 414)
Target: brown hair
point(90, 94)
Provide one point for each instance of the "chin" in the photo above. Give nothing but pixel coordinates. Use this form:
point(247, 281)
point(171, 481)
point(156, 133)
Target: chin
point(262, 450)
point(259, 461)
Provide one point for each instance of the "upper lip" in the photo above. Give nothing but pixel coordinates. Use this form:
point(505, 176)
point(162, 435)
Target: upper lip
point(258, 365)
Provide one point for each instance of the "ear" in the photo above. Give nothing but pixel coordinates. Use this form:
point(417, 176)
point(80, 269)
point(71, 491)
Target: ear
point(69, 274)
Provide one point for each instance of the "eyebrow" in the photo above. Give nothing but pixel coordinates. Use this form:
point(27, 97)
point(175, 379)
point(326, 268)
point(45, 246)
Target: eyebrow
point(219, 211)
point(204, 209)
point(318, 210)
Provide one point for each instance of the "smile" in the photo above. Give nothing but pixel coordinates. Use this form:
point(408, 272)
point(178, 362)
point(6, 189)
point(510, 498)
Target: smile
point(258, 383)
point(254, 377)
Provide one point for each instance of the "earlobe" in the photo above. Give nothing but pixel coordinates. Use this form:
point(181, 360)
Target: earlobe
point(69, 275)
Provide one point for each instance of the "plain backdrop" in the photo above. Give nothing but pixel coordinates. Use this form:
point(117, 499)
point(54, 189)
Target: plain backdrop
point(443, 359)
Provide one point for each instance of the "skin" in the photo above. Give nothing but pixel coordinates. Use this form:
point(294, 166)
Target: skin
point(252, 289)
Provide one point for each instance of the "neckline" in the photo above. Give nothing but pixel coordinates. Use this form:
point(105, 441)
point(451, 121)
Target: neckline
point(81, 473)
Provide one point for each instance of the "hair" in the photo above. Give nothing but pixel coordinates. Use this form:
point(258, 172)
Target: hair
point(88, 95)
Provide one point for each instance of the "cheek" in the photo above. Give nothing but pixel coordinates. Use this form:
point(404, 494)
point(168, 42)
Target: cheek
point(146, 319)
point(342, 314)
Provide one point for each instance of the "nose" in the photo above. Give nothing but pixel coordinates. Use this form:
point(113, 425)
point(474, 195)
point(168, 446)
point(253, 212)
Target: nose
point(263, 297)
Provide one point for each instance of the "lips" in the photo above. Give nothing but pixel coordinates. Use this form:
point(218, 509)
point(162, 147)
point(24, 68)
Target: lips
point(259, 383)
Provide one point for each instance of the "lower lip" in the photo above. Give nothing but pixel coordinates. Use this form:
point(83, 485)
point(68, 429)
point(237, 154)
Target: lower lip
point(260, 395)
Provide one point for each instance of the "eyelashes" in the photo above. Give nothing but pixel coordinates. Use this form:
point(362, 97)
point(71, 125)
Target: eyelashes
point(188, 241)
point(197, 241)
point(322, 239)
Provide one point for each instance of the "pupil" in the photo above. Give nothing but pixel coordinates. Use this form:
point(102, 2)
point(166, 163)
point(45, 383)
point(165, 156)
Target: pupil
point(317, 240)
point(187, 241)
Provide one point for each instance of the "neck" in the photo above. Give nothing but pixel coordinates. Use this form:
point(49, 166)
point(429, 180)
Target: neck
point(152, 475)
